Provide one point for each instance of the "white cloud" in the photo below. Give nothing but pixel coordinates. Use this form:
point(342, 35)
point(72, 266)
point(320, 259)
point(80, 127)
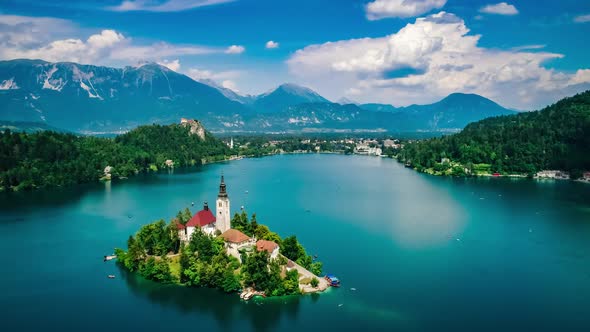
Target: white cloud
point(51, 40)
point(443, 59)
point(379, 9)
point(529, 47)
point(224, 79)
point(582, 76)
point(229, 84)
point(582, 18)
point(272, 44)
point(163, 6)
point(71, 49)
point(205, 74)
point(501, 8)
point(172, 65)
point(32, 31)
point(235, 49)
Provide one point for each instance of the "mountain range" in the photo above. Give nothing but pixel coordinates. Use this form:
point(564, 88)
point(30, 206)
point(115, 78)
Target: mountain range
point(95, 99)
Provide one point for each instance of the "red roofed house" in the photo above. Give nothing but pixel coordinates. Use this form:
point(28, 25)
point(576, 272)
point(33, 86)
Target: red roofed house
point(268, 246)
point(204, 220)
point(236, 240)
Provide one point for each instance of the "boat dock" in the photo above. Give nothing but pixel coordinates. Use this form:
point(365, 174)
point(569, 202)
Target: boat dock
point(249, 293)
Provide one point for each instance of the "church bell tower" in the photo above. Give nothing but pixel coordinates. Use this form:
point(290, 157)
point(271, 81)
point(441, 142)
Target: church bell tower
point(223, 221)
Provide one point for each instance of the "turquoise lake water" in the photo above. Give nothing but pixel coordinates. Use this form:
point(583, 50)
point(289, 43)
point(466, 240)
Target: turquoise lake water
point(424, 253)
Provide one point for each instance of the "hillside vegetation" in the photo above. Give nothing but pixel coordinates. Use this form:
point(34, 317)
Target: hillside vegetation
point(557, 137)
point(47, 158)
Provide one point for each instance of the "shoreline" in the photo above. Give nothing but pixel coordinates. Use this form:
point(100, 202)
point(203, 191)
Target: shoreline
point(240, 157)
point(511, 176)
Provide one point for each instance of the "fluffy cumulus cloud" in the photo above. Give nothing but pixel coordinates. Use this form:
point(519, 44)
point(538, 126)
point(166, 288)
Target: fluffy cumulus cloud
point(272, 44)
point(379, 9)
point(429, 59)
point(51, 40)
point(501, 8)
point(163, 6)
point(582, 18)
point(235, 49)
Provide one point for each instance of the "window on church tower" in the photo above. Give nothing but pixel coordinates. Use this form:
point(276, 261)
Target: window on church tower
point(219, 204)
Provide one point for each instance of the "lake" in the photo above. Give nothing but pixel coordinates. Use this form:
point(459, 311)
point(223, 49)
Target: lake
point(423, 253)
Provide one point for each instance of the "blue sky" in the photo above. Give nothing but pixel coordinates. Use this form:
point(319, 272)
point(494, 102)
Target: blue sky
point(522, 54)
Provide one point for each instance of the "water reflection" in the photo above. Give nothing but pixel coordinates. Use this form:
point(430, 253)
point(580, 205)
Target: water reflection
point(227, 309)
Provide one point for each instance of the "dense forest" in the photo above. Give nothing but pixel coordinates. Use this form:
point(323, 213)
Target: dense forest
point(554, 138)
point(157, 253)
point(47, 158)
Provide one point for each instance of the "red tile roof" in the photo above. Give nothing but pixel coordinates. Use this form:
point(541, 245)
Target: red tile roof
point(234, 236)
point(178, 224)
point(201, 218)
point(266, 245)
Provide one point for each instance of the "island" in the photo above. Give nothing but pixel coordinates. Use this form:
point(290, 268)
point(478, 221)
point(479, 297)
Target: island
point(212, 250)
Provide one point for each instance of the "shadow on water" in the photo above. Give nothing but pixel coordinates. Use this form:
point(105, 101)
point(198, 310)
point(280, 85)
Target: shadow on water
point(227, 309)
point(69, 195)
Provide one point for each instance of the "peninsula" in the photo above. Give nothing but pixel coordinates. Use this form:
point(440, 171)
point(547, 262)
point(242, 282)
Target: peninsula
point(211, 250)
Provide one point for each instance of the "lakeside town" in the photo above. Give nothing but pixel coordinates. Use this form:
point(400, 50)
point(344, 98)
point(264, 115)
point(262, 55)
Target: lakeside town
point(388, 147)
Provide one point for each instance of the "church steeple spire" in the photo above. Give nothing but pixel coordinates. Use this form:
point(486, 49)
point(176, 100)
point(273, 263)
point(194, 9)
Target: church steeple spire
point(222, 189)
point(223, 222)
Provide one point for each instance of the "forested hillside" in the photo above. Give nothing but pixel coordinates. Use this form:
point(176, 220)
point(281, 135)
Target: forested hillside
point(557, 137)
point(49, 158)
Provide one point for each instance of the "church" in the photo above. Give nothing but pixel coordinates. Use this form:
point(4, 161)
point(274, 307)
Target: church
point(208, 222)
point(219, 224)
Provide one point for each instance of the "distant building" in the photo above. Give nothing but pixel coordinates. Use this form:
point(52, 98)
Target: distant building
point(196, 128)
point(268, 246)
point(388, 143)
point(553, 174)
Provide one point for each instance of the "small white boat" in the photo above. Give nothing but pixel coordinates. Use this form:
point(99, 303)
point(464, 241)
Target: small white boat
point(111, 276)
point(108, 258)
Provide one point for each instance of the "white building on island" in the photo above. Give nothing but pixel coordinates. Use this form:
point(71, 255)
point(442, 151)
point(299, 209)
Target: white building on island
point(219, 224)
point(205, 221)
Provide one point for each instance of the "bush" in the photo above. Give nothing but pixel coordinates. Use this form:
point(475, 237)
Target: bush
point(314, 282)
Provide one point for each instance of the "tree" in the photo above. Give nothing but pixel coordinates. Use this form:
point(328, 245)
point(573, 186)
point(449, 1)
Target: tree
point(292, 249)
point(185, 262)
point(291, 282)
point(230, 282)
point(316, 268)
point(255, 270)
point(314, 282)
point(253, 228)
